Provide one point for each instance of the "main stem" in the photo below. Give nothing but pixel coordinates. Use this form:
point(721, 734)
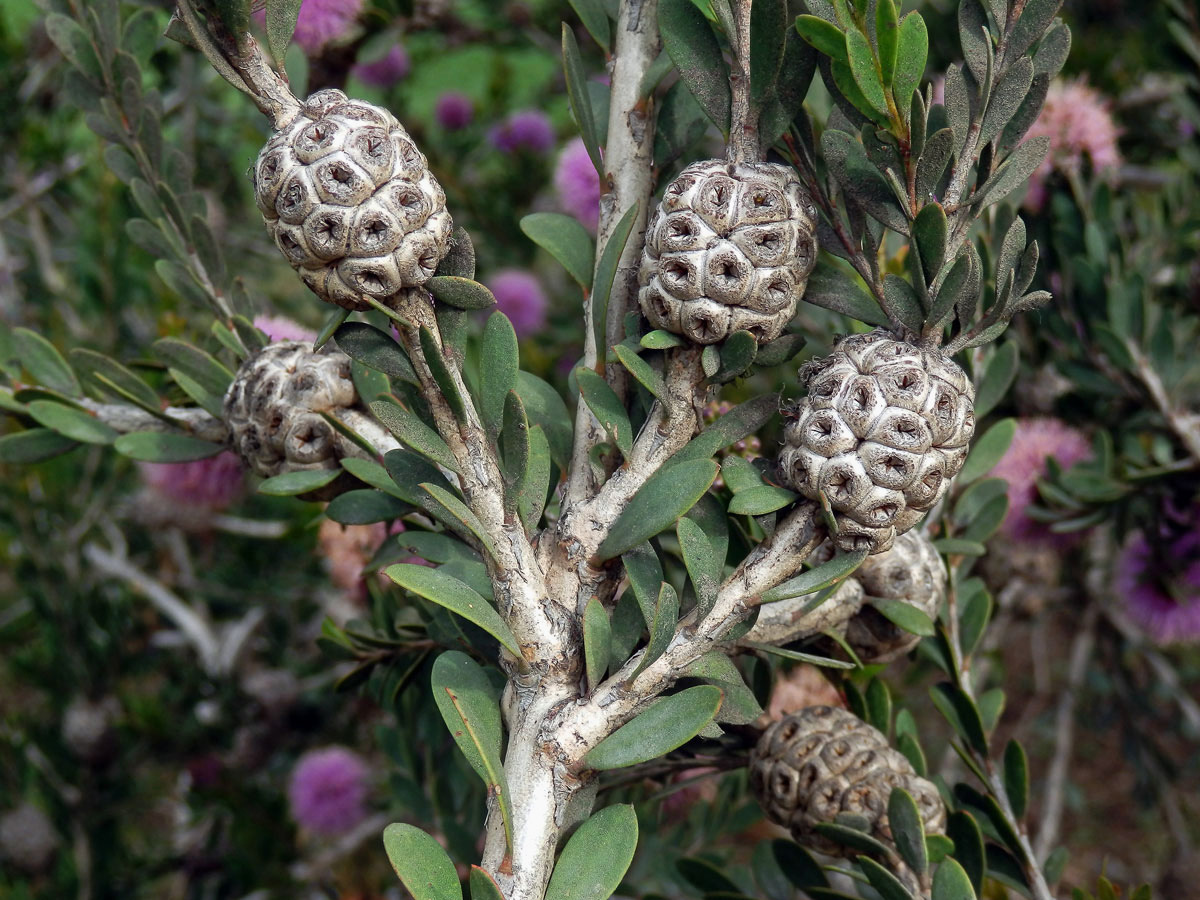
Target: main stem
point(743, 122)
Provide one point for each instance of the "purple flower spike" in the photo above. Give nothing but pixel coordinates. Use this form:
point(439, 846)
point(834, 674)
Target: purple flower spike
point(320, 22)
point(211, 484)
point(328, 790)
point(454, 111)
point(281, 328)
point(578, 185)
point(1160, 586)
point(519, 296)
point(385, 71)
point(1036, 439)
point(527, 130)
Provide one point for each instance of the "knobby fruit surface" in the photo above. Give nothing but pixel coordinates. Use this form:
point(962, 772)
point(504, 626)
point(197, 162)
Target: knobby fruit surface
point(350, 201)
point(822, 762)
point(729, 248)
point(883, 429)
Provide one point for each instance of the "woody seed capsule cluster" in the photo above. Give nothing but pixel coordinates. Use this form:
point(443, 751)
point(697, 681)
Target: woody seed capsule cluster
point(911, 572)
point(729, 248)
point(274, 408)
point(822, 762)
point(884, 428)
point(350, 201)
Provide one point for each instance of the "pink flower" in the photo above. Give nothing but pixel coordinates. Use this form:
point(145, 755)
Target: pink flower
point(328, 790)
point(347, 549)
point(528, 130)
point(454, 111)
point(1079, 123)
point(519, 296)
point(385, 71)
point(322, 21)
point(210, 485)
point(577, 184)
point(1036, 439)
point(281, 328)
point(1159, 585)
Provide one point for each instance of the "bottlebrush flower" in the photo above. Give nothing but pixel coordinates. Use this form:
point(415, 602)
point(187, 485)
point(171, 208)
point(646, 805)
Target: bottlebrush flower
point(281, 328)
point(528, 130)
point(1079, 123)
point(1035, 440)
point(577, 184)
point(210, 485)
point(1159, 585)
point(519, 296)
point(386, 71)
point(454, 111)
point(328, 790)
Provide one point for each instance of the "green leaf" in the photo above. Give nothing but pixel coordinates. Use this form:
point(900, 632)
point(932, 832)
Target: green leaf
point(423, 866)
point(824, 36)
point(667, 494)
point(335, 321)
point(408, 471)
point(798, 865)
point(414, 433)
point(607, 407)
point(1016, 778)
point(742, 420)
point(158, 446)
point(864, 70)
point(289, 484)
point(904, 616)
point(461, 293)
point(929, 234)
point(566, 240)
point(459, 261)
point(498, 367)
point(535, 486)
point(456, 596)
point(739, 706)
point(661, 340)
point(1007, 98)
point(667, 724)
point(758, 501)
point(645, 578)
point(960, 711)
point(110, 376)
point(831, 288)
point(595, 19)
point(642, 371)
point(950, 882)
point(596, 856)
point(1013, 172)
point(514, 451)
point(768, 36)
point(815, 579)
point(33, 445)
point(887, 38)
point(908, 830)
point(703, 565)
point(365, 507)
point(597, 641)
point(692, 45)
point(997, 378)
point(959, 547)
point(976, 610)
point(737, 355)
point(962, 828)
point(201, 367)
point(483, 886)
point(988, 450)
point(71, 422)
point(470, 706)
point(44, 363)
point(1035, 19)
point(661, 622)
point(887, 884)
point(546, 408)
point(903, 300)
point(439, 368)
point(606, 271)
point(852, 838)
point(461, 513)
point(577, 95)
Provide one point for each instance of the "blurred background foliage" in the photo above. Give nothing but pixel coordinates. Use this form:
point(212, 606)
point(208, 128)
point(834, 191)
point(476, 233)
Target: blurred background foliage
point(185, 791)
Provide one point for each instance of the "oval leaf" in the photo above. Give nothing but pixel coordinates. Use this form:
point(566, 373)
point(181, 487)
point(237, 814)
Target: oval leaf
point(159, 446)
point(668, 494)
point(566, 240)
point(668, 724)
point(291, 483)
point(596, 857)
point(71, 422)
point(421, 863)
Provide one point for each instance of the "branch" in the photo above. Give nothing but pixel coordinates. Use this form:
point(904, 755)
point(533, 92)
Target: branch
point(787, 621)
point(743, 124)
point(187, 420)
point(1185, 426)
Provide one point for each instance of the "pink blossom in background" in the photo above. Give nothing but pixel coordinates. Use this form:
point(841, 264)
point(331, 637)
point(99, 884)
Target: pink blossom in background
point(281, 328)
point(210, 485)
point(1034, 441)
point(1078, 121)
point(386, 71)
point(519, 296)
point(321, 21)
point(1159, 586)
point(577, 184)
point(528, 130)
point(454, 111)
point(328, 790)
point(347, 549)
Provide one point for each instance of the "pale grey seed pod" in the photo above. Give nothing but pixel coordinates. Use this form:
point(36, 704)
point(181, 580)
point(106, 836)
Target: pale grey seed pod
point(350, 201)
point(274, 406)
point(883, 429)
point(87, 729)
point(28, 839)
point(823, 762)
point(729, 248)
